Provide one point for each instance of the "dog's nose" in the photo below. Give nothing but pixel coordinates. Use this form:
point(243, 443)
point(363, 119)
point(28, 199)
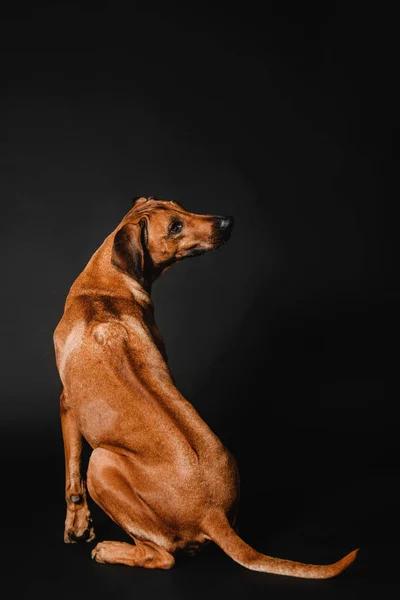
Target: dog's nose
point(225, 224)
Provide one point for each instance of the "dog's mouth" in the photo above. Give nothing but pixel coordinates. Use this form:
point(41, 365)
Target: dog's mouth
point(220, 240)
point(195, 252)
point(214, 243)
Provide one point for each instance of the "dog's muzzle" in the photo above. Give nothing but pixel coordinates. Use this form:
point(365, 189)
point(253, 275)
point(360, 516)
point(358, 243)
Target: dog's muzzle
point(223, 229)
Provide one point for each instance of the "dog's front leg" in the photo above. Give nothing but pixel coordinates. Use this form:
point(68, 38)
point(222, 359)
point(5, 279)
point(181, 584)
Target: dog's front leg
point(78, 523)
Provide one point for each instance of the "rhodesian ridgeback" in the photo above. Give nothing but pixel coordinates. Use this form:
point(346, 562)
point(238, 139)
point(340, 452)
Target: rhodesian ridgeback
point(156, 468)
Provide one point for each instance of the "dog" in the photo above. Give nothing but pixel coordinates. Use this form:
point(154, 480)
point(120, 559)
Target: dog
point(156, 468)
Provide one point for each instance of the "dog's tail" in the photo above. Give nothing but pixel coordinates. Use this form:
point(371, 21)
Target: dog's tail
point(217, 527)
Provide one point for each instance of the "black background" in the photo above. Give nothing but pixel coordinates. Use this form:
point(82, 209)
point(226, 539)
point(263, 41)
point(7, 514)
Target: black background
point(284, 119)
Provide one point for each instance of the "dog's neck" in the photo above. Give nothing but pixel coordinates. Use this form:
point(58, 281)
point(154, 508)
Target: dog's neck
point(110, 280)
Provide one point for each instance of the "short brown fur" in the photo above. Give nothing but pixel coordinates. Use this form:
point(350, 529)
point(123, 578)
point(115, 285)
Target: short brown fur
point(156, 468)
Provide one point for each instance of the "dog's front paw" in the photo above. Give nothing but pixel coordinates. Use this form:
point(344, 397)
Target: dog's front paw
point(71, 537)
point(78, 526)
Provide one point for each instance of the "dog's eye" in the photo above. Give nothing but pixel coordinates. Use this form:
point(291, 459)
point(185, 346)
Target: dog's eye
point(175, 227)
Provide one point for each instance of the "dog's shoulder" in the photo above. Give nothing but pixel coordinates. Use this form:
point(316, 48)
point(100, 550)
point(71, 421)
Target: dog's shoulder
point(108, 333)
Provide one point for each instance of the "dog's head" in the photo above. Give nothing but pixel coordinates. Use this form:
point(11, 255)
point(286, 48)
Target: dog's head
point(155, 234)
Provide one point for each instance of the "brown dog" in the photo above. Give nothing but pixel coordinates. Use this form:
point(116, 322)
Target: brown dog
point(156, 468)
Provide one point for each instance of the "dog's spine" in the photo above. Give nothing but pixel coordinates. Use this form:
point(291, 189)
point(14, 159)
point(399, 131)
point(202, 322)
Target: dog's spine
point(217, 527)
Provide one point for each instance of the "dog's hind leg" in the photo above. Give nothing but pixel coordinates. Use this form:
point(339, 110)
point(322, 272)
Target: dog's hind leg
point(78, 523)
point(142, 554)
point(108, 484)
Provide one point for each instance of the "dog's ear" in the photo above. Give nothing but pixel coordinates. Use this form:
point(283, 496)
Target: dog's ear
point(129, 250)
point(138, 200)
